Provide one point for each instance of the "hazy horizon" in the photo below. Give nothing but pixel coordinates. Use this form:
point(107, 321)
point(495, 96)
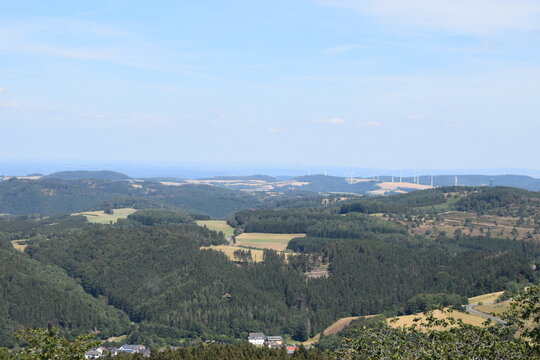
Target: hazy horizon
point(198, 170)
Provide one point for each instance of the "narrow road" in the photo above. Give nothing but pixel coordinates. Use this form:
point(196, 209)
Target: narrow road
point(470, 309)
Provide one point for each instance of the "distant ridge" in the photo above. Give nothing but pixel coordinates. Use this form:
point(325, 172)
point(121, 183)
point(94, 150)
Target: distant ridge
point(84, 174)
point(249, 177)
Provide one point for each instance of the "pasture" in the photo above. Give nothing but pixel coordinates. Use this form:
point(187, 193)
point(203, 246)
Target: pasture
point(276, 242)
point(473, 225)
point(217, 225)
point(99, 217)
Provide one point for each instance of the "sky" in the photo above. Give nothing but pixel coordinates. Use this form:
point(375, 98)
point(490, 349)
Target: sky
point(365, 83)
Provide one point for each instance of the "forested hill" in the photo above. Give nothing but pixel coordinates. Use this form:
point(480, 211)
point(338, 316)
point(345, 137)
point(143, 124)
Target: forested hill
point(84, 174)
point(481, 200)
point(36, 295)
point(50, 196)
point(173, 288)
point(161, 269)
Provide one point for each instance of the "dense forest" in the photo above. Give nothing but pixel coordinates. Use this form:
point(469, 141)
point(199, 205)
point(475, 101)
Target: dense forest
point(501, 201)
point(37, 295)
point(154, 268)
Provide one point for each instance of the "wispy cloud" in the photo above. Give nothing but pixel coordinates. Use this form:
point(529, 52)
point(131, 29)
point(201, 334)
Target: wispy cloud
point(273, 130)
point(11, 104)
point(343, 49)
point(476, 17)
point(87, 40)
point(334, 120)
point(370, 124)
point(2, 89)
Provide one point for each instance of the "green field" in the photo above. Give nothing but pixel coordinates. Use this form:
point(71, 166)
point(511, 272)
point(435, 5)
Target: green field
point(99, 217)
point(217, 225)
point(276, 242)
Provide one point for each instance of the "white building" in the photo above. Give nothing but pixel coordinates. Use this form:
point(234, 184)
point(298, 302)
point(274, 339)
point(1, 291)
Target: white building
point(257, 339)
point(94, 353)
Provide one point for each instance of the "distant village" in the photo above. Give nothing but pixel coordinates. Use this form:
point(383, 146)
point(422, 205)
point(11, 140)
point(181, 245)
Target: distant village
point(256, 339)
point(273, 342)
point(124, 349)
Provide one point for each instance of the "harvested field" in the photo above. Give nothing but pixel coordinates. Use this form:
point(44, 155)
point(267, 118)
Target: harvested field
point(385, 187)
point(276, 242)
point(217, 225)
point(171, 183)
point(408, 320)
point(229, 250)
point(99, 217)
point(497, 308)
point(486, 298)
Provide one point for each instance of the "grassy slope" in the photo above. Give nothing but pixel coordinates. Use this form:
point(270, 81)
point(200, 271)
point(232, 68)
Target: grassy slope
point(217, 225)
point(99, 217)
point(266, 241)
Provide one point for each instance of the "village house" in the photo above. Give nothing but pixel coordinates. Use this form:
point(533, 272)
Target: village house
point(275, 339)
point(291, 349)
point(95, 353)
point(131, 349)
point(257, 339)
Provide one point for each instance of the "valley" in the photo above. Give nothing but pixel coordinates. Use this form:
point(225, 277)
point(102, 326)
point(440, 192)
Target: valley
point(295, 264)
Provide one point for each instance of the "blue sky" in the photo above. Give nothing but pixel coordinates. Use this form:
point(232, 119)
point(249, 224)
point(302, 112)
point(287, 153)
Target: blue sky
point(365, 83)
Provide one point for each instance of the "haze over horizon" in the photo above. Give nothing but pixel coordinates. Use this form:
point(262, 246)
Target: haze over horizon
point(445, 84)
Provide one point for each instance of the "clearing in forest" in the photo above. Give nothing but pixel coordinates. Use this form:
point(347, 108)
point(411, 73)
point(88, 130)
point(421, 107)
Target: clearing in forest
point(217, 225)
point(276, 242)
point(18, 246)
point(99, 217)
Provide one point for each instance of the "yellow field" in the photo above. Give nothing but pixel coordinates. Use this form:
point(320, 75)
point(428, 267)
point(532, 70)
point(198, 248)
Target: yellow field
point(408, 320)
point(229, 250)
point(18, 246)
point(486, 298)
point(276, 242)
point(99, 217)
point(496, 309)
point(217, 225)
point(385, 187)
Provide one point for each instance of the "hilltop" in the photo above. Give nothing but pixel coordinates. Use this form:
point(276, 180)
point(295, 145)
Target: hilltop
point(85, 174)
